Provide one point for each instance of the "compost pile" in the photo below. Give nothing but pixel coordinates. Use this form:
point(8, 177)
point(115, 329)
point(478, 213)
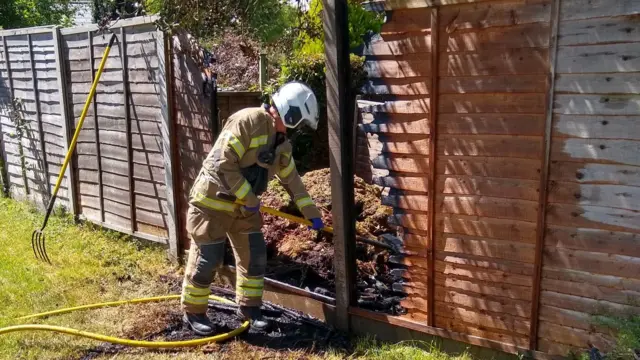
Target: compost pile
point(304, 258)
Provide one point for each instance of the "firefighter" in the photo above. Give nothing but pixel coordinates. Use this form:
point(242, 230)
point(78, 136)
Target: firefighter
point(252, 148)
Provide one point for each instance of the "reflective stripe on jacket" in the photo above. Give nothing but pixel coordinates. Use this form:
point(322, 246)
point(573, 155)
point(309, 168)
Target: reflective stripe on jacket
point(246, 134)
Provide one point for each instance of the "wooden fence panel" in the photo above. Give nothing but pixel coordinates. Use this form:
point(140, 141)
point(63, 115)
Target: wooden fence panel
point(32, 160)
point(590, 258)
point(119, 159)
point(484, 149)
point(400, 138)
point(491, 79)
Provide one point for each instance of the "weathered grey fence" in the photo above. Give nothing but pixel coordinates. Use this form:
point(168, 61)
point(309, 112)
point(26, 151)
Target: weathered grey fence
point(121, 177)
point(121, 173)
point(33, 133)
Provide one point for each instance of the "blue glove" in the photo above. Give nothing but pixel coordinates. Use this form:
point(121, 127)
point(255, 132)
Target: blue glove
point(317, 224)
point(252, 209)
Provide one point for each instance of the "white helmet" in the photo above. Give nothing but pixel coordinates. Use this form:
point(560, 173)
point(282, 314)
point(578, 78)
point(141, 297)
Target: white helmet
point(296, 104)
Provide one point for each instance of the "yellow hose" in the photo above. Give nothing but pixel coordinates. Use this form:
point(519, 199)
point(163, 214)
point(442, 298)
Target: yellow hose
point(121, 341)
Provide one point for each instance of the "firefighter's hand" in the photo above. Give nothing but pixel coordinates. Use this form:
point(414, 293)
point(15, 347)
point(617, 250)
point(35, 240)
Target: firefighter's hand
point(248, 210)
point(316, 224)
point(251, 209)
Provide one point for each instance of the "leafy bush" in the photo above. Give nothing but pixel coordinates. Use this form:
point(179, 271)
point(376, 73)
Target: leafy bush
point(264, 21)
point(311, 149)
point(25, 13)
point(311, 37)
point(307, 65)
point(627, 342)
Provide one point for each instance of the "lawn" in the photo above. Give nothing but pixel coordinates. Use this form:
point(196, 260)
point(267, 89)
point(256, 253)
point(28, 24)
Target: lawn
point(92, 265)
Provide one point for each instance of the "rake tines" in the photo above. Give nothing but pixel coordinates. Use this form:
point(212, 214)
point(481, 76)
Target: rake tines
point(39, 247)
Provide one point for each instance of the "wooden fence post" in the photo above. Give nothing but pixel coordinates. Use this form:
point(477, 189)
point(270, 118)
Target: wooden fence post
point(36, 97)
point(127, 116)
point(4, 179)
point(4, 182)
point(340, 116)
point(433, 105)
point(263, 71)
point(67, 119)
point(169, 144)
point(96, 127)
point(214, 113)
point(544, 178)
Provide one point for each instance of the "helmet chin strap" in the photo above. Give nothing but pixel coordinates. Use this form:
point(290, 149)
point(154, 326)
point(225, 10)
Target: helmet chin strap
point(280, 125)
point(277, 120)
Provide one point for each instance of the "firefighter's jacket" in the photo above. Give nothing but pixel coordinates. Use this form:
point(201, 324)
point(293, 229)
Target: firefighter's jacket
point(244, 149)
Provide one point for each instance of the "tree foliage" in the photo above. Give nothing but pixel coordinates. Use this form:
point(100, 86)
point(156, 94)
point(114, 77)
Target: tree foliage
point(265, 21)
point(310, 39)
point(103, 11)
point(26, 13)
point(305, 62)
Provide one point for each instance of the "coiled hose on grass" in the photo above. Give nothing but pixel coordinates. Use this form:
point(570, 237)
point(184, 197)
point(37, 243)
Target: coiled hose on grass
point(121, 341)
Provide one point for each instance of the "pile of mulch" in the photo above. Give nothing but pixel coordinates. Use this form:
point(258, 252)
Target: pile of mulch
point(304, 258)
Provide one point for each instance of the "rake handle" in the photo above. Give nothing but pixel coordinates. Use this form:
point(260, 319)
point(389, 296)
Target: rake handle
point(299, 220)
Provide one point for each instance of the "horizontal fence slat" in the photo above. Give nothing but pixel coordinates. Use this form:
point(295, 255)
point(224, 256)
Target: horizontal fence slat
point(485, 247)
point(511, 168)
point(584, 9)
point(492, 84)
point(491, 228)
point(493, 14)
point(598, 59)
point(615, 196)
point(508, 62)
point(624, 152)
point(486, 186)
point(485, 206)
point(600, 30)
point(535, 35)
point(590, 173)
point(595, 240)
point(488, 145)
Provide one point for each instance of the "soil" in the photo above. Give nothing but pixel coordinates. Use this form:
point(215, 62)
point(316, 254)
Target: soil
point(304, 258)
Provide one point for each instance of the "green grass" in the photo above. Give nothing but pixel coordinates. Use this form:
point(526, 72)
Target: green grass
point(365, 348)
point(91, 265)
point(368, 348)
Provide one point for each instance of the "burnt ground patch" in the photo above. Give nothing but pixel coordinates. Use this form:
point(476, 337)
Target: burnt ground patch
point(290, 330)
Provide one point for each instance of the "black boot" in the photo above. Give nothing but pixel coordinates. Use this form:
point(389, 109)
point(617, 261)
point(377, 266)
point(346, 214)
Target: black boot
point(254, 315)
point(199, 323)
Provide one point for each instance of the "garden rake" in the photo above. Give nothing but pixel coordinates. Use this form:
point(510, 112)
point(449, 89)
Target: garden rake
point(38, 237)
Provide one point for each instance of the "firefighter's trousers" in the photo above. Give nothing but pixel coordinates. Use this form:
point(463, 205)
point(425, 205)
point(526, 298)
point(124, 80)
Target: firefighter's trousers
point(208, 230)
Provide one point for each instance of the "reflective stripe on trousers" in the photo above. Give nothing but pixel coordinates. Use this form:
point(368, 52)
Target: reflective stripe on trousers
point(249, 287)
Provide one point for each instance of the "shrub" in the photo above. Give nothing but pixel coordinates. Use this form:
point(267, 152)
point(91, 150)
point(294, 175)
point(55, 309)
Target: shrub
point(626, 344)
point(311, 149)
point(311, 37)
